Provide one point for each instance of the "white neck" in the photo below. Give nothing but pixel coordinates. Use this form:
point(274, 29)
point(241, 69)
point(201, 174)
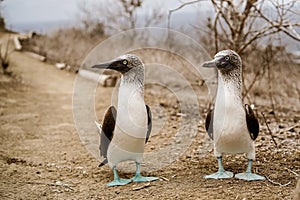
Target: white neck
point(231, 82)
point(229, 94)
point(134, 78)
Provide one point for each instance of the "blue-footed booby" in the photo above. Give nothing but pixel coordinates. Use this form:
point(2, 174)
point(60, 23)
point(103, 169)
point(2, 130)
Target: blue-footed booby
point(126, 129)
point(232, 125)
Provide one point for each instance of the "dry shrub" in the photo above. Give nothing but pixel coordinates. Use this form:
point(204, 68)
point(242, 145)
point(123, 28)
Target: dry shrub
point(65, 45)
point(273, 75)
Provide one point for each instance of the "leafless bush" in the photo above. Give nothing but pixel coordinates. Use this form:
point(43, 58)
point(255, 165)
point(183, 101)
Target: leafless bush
point(118, 15)
point(271, 76)
point(66, 45)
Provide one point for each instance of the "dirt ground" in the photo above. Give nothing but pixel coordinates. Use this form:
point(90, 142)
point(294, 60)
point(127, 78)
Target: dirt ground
point(42, 156)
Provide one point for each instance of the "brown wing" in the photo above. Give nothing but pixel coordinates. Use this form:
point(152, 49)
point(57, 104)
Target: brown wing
point(209, 123)
point(149, 123)
point(252, 122)
point(107, 132)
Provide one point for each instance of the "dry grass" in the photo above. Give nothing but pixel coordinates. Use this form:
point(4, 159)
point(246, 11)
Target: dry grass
point(67, 45)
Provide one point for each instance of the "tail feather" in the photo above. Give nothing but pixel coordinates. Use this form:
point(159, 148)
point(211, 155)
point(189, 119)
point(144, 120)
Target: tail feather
point(104, 162)
point(99, 127)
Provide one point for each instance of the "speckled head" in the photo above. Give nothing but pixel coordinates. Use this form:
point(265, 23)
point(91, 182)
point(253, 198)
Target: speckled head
point(225, 60)
point(123, 64)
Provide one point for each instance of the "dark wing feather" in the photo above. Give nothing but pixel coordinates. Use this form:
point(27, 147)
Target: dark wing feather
point(252, 122)
point(149, 123)
point(209, 123)
point(107, 132)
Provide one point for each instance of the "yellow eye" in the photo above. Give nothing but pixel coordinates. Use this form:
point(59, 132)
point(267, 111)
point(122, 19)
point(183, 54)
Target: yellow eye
point(125, 62)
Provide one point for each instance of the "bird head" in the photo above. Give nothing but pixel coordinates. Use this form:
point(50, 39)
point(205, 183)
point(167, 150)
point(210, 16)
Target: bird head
point(122, 64)
point(225, 60)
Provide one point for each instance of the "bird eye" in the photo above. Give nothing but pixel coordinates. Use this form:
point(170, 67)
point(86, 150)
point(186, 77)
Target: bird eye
point(125, 62)
point(227, 58)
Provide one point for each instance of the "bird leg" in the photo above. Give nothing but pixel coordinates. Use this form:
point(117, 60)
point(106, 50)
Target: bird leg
point(117, 180)
point(248, 175)
point(139, 178)
point(221, 173)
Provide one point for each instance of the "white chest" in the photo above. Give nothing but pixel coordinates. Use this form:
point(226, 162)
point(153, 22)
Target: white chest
point(230, 128)
point(132, 114)
point(131, 127)
point(229, 112)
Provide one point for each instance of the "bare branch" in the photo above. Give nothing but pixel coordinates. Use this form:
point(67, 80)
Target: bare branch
point(252, 83)
point(216, 32)
point(276, 183)
point(296, 36)
point(258, 35)
point(279, 25)
point(246, 12)
point(222, 27)
point(270, 132)
point(219, 9)
point(180, 7)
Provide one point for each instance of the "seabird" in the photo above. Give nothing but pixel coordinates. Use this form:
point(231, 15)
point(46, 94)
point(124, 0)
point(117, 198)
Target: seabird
point(232, 125)
point(125, 130)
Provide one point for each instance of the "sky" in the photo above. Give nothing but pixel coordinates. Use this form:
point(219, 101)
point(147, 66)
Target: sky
point(22, 14)
point(25, 11)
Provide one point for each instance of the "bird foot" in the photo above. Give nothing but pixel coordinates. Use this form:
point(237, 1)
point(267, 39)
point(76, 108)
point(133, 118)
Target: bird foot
point(118, 182)
point(220, 174)
point(249, 176)
point(140, 178)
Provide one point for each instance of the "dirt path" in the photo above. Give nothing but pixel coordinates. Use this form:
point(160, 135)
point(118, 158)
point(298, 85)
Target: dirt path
point(38, 137)
point(42, 156)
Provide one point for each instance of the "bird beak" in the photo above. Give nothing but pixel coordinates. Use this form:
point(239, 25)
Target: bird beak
point(109, 65)
point(101, 66)
point(114, 65)
point(210, 64)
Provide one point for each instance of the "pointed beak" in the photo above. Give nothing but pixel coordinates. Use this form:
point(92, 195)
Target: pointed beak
point(107, 65)
point(210, 64)
point(114, 65)
point(101, 66)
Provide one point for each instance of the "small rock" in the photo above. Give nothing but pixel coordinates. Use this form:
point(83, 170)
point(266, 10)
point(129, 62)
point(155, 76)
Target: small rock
point(60, 65)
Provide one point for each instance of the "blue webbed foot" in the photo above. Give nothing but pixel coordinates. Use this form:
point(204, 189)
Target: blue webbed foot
point(140, 178)
point(220, 174)
point(118, 182)
point(249, 176)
